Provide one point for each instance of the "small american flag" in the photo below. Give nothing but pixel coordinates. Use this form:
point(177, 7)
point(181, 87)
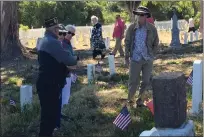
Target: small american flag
point(99, 68)
point(190, 79)
point(12, 102)
point(73, 77)
point(123, 119)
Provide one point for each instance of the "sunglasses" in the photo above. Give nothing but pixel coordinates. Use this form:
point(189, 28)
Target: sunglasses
point(62, 33)
point(141, 15)
point(71, 33)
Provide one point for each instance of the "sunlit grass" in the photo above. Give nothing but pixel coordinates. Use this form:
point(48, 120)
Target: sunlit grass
point(92, 108)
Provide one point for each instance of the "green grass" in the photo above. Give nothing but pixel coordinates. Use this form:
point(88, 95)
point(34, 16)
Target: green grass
point(92, 108)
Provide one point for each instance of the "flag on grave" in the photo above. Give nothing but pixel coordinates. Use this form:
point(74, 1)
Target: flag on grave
point(98, 68)
point(150, 106)
point(123, 119)
point(12, 102)
point(73, 77)
point(190, 79)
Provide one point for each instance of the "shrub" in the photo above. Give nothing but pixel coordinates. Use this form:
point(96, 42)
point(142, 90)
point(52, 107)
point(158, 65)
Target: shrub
point(24, 28)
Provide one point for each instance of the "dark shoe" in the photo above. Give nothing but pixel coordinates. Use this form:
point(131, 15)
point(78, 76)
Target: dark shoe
point(140, 103)
point(112, 54)
point(103, 56)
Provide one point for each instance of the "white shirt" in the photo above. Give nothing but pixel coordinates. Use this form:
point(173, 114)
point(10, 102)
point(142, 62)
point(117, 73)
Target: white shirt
point(191, 23)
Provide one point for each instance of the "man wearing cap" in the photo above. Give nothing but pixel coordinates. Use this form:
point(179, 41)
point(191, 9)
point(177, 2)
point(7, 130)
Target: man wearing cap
point(141, 42)
point(53, 60)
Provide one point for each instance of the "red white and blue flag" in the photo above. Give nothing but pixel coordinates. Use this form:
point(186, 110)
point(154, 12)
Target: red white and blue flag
point(123, 119)
point(190, 79)
point(73, 77)
point(12, 102)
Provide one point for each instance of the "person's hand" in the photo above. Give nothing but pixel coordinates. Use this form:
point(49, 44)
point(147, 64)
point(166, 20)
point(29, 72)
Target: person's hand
point(72, 67)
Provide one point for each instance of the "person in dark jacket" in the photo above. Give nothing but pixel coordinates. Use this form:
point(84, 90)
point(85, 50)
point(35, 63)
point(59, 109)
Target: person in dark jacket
point(97, 42)
point(53, 61)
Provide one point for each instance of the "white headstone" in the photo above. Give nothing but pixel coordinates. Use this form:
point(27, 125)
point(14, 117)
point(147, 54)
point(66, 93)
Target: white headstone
point(108, 42)
point(26, 95)
point(191, 36)
point(185, 38)
point(111, 64)
point(90, 72)
point(90, 32)
point(186, 129)
point(197, 86)
point(196, 35)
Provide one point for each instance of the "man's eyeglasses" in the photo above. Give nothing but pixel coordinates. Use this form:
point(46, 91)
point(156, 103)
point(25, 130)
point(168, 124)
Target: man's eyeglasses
point(71, 33)
point(141, 15)
point(62, 33)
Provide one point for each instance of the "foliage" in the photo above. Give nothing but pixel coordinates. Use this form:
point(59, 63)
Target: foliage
point(79, 12)
point(184, 9)
point(22, 27)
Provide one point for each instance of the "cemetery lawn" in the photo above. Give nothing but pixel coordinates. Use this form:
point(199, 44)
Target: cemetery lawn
point(93, 108)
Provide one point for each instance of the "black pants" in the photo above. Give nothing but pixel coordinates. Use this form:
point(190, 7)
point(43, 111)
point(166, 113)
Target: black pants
point(59, 112)
point(49, 95)
point(97, 52)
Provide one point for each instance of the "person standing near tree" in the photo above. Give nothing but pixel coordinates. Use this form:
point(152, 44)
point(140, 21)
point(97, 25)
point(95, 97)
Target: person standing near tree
point(53, 61)
point(118, 34)
point(141, 42)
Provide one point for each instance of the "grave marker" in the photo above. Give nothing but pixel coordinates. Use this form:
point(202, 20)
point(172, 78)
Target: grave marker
point(108, 43)
point(175, 41)
point(197, 86)
point(90, 72)
point(196, 35)
point(169, 99)
point(111, 64)
point(26, 95)
point(191, 36)
point(185, 38)
point(169, 96)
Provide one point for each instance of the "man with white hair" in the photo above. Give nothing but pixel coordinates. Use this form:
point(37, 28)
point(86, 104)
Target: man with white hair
point(97, 42)
point(52, 59)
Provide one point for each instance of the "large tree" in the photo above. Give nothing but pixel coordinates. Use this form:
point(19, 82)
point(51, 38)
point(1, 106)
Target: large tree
point(201, 17)
point(130, 6)
point(10, 43)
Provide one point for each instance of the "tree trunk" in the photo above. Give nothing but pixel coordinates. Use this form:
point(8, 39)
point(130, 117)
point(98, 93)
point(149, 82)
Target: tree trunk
point(194, 8)
point(201, 17)
point(10, 43)
point(132, 5)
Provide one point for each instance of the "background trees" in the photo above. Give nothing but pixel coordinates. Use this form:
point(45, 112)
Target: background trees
point(79, 12)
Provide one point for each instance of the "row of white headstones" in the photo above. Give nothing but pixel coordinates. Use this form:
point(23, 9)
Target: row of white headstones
point(194, 36)
point(26, 90)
